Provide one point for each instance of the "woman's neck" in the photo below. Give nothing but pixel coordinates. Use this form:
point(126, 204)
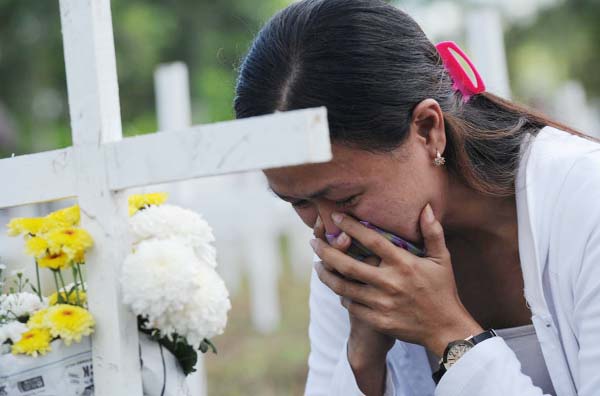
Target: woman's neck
point(471, 213)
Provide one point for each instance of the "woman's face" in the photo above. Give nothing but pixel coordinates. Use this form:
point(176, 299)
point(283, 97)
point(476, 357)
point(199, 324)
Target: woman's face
point(387, 189)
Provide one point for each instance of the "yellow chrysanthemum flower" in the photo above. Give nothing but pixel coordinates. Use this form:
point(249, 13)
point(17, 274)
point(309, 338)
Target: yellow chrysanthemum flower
point(139, 201)
point(69, 322)
point(67, 217)
point(33, 342)
point(79, 257)
point(32, 225)
point(38, 320)
point(25, 225)
point(55, 261)
point(36, 246)
point(53, 299)
point(70, 240)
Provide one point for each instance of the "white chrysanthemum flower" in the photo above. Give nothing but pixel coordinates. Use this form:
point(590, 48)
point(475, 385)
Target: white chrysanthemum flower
point(167, 221)
point(204, 315)
point(159, 277)
point(12, 331)
point(22, 304)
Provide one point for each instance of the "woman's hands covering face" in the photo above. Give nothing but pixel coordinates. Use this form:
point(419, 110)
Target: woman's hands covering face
point(366, 346)
point(403, 296)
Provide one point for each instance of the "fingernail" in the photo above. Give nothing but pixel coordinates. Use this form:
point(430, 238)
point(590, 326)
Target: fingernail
point(429, 216)
point(342, 238)
point(337, 217)
point(313, 243)
point(330, 238)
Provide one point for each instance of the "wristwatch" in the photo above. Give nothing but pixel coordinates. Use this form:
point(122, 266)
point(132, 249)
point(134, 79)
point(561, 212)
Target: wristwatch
point(456, 349)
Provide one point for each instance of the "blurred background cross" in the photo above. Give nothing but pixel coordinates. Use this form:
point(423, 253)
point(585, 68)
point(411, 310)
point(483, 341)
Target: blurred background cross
point(246, 219)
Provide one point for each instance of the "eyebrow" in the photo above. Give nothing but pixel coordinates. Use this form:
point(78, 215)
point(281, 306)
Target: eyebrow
point(318, 194)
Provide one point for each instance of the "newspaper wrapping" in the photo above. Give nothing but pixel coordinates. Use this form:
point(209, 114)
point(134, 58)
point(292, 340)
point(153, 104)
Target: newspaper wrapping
point(68, 371)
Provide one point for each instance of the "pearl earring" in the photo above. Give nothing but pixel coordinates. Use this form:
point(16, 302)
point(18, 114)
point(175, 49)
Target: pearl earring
point(439, 160)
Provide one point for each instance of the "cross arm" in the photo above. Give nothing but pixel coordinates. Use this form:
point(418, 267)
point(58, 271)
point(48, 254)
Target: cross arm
point(37, 177)
point(270, 141)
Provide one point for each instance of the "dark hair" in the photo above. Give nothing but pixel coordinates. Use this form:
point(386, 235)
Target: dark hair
point(370, 64)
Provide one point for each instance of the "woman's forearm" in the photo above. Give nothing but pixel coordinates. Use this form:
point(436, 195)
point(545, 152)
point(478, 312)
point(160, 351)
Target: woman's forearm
point(368, 366)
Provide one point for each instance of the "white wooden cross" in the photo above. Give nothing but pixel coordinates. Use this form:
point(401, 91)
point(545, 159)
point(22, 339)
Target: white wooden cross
point(101, 165)
point(256, 224)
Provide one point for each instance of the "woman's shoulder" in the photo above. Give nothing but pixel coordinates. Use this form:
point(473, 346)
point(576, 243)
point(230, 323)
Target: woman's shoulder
point(572, 162)
point(562, 167)
point(571, 207)
point(556, 144)
point(561, 176)
point(550, 158)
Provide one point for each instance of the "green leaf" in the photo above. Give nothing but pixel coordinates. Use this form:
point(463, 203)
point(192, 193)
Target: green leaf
point(183, 352)
point(203, 346)
point(211, 345)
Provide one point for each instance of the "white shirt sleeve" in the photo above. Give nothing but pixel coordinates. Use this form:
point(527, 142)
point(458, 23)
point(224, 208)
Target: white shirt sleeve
point(329, 371)
point(584, 212)
point(491, 368)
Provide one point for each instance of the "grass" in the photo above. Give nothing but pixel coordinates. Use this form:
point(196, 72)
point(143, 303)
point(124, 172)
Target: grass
point(249, 363)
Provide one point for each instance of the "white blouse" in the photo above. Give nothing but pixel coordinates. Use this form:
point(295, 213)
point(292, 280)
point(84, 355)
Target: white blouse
point(524, 343)
point(558, 214)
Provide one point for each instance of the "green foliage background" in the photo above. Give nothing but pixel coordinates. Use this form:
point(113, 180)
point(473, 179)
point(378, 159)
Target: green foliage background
point(210, 36)
point(562, 42)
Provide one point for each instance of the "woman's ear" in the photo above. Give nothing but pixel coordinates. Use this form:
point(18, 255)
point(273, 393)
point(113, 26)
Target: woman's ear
point(427, 123)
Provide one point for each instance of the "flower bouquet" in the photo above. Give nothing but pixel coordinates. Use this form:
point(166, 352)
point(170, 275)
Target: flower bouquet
point(169, 281)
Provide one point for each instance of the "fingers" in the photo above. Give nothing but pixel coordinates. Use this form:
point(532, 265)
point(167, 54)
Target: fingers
point(345, 288)
point(346, 265)
point(341, 242)
point(433, 234)
point(364, 313)
point(371, 260)
point(373, 241)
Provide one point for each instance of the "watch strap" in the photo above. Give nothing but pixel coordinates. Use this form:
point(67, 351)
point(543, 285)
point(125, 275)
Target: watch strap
point(483, 336)
point(437, 376)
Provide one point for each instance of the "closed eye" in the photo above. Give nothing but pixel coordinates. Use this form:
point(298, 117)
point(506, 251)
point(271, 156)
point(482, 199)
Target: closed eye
point(300, 204)
point(347, 202)
point(340, 204)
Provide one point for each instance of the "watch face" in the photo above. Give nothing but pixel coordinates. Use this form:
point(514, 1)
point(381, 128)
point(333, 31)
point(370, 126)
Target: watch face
point(456, 350)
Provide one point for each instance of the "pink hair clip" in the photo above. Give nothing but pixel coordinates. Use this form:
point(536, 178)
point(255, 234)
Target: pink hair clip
point(450, 53)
